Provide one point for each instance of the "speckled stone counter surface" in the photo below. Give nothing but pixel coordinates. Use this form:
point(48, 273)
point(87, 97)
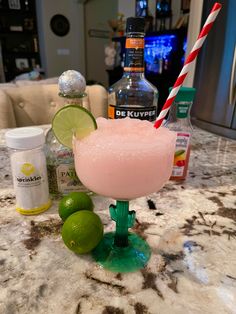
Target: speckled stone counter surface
point(190, 226)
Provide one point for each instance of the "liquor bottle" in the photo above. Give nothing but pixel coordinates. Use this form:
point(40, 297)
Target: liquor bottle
point(133, 96)
point(179, 121)
point(62, 177)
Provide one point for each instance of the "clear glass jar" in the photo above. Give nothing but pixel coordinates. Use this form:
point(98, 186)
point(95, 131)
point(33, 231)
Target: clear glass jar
point(62, 176)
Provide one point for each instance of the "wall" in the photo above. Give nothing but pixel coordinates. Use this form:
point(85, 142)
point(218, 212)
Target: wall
point(127, 7)
point(97, 13)
point(61, 53)
point(193, 31)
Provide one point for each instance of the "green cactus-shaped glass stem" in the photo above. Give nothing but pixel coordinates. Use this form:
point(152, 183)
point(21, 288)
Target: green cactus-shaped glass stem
point(124, 219)
point(122, 251)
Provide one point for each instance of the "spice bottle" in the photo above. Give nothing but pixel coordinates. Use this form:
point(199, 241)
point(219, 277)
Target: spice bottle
point(179, 121)
point(29, 172)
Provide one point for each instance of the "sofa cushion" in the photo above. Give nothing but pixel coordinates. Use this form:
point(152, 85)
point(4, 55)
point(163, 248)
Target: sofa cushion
point(7, 85)
point(51, 80)
point(34, 104)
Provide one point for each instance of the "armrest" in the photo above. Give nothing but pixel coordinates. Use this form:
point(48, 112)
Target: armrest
point(98, 100)
point(7, 116)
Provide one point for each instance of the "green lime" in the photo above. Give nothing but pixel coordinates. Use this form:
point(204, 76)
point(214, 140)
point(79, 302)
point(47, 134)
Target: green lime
point(82, 231)
point(74, 202)
point(72, 120)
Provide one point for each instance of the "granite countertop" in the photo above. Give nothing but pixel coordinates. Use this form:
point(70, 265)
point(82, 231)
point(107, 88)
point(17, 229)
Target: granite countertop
point(190, 226)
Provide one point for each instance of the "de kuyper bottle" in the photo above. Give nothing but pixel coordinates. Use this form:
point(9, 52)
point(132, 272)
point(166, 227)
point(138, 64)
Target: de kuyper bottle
point(133, 96)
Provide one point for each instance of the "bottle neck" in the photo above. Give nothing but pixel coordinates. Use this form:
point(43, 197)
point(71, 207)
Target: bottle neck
point(79, 100)
point(180, 114)
point(134, 55)
point(133, 75)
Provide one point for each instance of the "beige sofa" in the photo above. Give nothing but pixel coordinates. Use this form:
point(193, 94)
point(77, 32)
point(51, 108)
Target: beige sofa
point(36, 104)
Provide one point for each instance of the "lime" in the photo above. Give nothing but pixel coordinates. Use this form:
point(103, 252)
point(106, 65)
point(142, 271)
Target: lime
point(72, 120)
point(82, 231)
point(74, 202)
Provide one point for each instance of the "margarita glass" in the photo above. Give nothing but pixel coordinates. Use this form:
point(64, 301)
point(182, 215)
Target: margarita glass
point(124, 159)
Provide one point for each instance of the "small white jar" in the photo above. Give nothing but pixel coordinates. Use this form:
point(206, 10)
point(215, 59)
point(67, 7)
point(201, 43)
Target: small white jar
point(29, 170)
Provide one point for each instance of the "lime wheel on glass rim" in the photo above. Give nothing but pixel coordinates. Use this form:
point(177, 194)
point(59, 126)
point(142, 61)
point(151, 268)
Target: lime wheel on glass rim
point(72, 121)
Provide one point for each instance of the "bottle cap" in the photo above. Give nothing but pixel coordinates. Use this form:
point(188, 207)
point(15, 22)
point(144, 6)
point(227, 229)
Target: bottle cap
point(185, 94)
point(183, 101)
point(135, 25)
point(71, 83)
point(25, 138)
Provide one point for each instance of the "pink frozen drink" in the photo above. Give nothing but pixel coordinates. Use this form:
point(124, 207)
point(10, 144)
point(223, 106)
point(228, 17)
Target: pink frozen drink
point(125, 158)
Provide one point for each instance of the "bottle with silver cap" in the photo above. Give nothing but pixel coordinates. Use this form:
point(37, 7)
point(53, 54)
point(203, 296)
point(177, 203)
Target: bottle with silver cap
point(29, 171)
point(62, 177)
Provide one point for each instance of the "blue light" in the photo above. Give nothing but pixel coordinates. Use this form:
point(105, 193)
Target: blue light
point(142, 4)
point(157, 52)
point(141, 8)
point(184, 49)
point(185, 44)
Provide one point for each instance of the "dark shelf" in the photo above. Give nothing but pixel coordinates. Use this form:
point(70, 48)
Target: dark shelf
point(13, 12)
point(18, 71)
point(6, 33)
point(29, 9)
point(33, 53)
point(21, 44)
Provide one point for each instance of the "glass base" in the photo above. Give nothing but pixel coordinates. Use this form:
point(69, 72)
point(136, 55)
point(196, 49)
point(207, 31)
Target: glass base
point(122, 259)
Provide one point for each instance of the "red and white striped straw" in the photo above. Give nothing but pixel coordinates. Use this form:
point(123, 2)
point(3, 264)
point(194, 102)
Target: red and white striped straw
point(191, 57)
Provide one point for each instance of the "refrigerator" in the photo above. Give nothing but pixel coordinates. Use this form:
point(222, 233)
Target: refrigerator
point(214, 107)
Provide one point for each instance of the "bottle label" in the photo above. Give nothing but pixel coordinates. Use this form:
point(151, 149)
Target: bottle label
point(67, 180)
point(134, 55)
point(112, 99)
point(181, 150)
point(30, 182)
point(182, 109)
point(144, 113)
point(28, 176)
